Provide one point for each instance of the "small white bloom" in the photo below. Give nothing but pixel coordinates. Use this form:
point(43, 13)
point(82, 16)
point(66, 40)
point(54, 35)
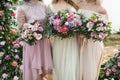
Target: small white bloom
point(116, 51)
point(66, 23)
point(4, 75)
point(112, 79)
point(0, 61)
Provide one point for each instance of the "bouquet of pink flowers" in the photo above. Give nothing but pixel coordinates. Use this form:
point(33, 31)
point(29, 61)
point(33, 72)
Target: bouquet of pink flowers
point(63, 23)
point(97, 28)
point(32, 32)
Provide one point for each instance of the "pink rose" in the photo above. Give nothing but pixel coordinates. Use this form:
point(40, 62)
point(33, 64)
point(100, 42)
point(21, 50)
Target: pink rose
point(1, 28)
point(2, 43)
point(71, 15)
point(93, 34)
point(37, 36)
point(1, 13)
point(108, 72)
point(15, 78)
point(90, 25)
point(114, 70)
point(102, 35)
point(13, 31)
point(40, 28)
point(16, 45)
point(64, 29)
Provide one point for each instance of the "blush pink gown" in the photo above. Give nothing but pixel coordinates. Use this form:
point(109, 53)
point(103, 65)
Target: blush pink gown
point(36, 57)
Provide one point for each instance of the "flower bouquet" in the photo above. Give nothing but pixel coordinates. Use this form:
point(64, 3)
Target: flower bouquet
point(95, 27)
point(32, 32)
point(62, 24)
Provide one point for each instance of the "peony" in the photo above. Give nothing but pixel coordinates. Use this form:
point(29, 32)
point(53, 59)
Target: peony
point(15, 78)
point(114, 70)
point(1, 28)
point(2, 43)
point(4, 75)
point(40, 28)
point(102, 35)
point(64, 29)
point(90, 25)
point(1, 13)
point(71, 15)
point(14, 64)
point(1, 54)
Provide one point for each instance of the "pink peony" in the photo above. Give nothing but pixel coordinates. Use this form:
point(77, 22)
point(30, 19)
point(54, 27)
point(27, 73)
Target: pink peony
point(1, 28)
point(40, 28)
point(13, 31)
point(102, 35)
point(114, 70)
point(1, 13)
point(15, 78)
point(90, 25)
point(64, 30)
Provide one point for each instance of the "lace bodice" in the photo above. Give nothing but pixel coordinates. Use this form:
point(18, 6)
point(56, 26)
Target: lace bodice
point(30, 12)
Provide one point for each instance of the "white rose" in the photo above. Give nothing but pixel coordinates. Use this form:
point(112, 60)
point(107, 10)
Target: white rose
point(4, 75)
point(2, 43)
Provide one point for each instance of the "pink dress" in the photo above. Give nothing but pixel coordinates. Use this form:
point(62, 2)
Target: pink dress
point(36, 57)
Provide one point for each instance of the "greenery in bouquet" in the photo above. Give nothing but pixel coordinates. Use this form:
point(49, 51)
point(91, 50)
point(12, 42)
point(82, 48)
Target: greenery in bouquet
point(32, 32)
point(10, 54)
point(111, 69)
point(63, 23)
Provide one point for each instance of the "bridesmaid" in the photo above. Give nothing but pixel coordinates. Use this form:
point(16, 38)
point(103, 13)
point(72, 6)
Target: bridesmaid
point(37, 59)
point(91, 54)
point(65, 51)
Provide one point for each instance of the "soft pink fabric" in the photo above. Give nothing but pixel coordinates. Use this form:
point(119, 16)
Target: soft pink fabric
point(37, 56)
